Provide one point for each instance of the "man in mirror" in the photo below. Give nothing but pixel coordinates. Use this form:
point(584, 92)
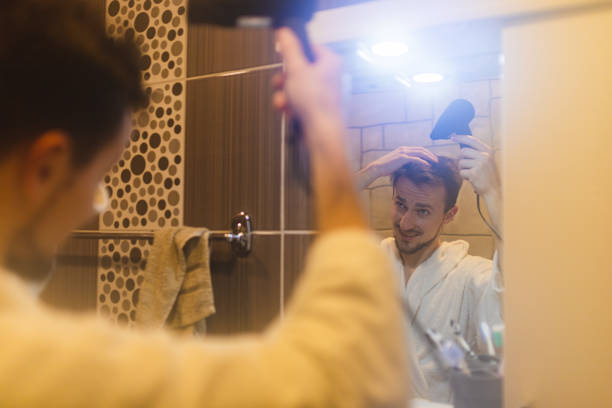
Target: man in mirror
point(440, 280)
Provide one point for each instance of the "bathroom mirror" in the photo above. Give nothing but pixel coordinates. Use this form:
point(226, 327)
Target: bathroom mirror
point(402, 79)
point(555, 79)
point(399, 88)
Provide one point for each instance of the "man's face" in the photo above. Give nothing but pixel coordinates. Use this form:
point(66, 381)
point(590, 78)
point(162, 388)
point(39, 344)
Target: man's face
point(418, 214)
point(69, 206)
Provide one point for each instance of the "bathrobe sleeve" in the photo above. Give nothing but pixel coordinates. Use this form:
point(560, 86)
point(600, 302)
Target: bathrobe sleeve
point(485, 298)
point(340, 344)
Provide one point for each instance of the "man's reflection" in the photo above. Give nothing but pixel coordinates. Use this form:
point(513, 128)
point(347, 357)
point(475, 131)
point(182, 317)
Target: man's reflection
point(440, 280)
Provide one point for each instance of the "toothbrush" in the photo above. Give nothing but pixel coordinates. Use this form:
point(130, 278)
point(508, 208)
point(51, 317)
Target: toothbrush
point(485, 332)
point(459, 338)
point(498, 335)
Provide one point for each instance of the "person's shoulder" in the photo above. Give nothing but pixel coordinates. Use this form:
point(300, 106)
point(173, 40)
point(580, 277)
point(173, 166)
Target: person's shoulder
point(388, 245)
point(470, 264)
point(15, 294)
point(478, 264)
point(388, 242)
point(477, 270)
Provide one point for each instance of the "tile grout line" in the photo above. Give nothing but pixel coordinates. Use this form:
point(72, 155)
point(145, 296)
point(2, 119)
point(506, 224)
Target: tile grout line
point(282, 215)
point(183, 114)
point(213, 75)
point(164, 81)
point(235, 72)
point(401, 122)
point(270, 232)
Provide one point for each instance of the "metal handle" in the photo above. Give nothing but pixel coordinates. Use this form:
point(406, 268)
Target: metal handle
point(242, 240)
point(240, 237)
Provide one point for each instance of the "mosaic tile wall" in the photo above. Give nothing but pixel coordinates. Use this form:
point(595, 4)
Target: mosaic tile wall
point(146, 186)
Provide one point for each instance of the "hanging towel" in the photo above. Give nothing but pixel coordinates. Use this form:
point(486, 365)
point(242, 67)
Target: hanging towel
point(177, 290)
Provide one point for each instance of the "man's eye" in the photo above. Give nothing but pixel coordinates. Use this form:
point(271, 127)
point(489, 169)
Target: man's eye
point(423, 212)
point(400, 205)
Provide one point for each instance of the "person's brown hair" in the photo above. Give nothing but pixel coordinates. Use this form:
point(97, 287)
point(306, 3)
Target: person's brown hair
point(60, 71)
point(444, 172)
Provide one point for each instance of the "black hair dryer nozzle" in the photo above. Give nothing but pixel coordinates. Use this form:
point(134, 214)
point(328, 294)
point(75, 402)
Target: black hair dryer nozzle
point(455, 119)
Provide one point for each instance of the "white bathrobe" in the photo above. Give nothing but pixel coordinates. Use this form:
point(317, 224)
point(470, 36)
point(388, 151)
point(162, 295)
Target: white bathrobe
point(340, 344)
point(449, 285)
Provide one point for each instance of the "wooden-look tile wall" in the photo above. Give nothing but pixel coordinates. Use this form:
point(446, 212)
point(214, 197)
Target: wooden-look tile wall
point(247, 290)
point(232, 164)
point(232, 158)
point(213, 49)
point(73, 282)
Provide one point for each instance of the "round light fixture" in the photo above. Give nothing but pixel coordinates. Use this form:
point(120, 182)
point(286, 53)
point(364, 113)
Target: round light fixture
point(427, 78)
point(389, 49)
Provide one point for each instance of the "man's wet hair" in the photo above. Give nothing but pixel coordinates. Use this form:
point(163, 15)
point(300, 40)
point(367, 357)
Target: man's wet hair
point(445, 172)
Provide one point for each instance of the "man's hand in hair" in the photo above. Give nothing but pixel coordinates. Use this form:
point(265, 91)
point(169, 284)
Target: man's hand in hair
point(387, 164)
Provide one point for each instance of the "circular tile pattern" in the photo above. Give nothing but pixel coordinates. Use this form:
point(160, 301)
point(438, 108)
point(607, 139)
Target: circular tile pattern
point(153, 27)
point(142, 187)
point(148, 173)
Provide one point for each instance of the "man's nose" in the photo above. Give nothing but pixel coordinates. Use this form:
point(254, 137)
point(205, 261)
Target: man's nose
point(407, 221)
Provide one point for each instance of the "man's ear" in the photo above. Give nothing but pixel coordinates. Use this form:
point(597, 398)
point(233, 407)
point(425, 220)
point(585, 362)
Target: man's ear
point(47, 164)
point(450, 215)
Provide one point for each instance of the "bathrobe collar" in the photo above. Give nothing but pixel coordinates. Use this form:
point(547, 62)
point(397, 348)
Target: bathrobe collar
point(433, 270)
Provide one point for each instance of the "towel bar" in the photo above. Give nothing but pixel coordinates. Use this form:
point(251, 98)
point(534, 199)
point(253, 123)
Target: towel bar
point(240, 237)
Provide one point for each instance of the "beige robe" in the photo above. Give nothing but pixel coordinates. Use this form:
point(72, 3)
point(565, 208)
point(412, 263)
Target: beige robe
point(339, 345)
point(450, 284)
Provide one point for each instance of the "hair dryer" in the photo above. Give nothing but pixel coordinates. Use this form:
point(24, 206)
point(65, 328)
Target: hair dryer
point(455, 119)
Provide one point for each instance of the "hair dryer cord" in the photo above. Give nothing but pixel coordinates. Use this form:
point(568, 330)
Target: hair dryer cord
point(484, 219)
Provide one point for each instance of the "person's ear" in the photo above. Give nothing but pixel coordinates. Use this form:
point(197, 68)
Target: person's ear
point(450, 215)
point(47, 164)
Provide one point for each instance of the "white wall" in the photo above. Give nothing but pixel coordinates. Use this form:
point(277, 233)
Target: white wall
point(557, 133)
